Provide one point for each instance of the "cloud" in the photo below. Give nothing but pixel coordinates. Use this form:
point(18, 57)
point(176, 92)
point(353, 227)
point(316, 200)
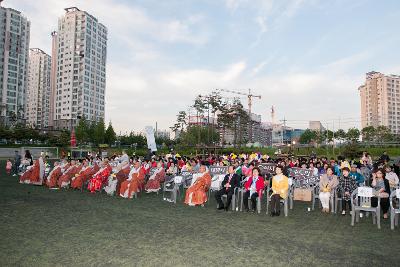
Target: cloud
point(138, 77)
point(234, 4)
point(146, 83)
point(257, 68)
point(121, 19)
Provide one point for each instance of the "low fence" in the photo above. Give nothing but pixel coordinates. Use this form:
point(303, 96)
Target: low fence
point(9, 152)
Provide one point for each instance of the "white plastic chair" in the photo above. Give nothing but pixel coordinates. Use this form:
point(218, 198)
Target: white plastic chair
point(394, 200)
point(361, 201)
point(285, 201)
point(172, 185)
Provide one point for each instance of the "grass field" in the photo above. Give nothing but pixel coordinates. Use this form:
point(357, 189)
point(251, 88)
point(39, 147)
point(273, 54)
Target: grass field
point(40, 227)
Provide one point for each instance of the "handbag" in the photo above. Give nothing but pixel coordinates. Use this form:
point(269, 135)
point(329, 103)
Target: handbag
point(302, 194)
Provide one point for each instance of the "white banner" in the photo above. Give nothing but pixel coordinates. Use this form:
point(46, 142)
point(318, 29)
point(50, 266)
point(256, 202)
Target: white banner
point(151, 141)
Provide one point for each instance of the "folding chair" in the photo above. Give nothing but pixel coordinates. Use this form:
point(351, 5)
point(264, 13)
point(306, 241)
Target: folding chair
point(394, 200)
point(216, 182)
point(338, 195)
point(315, 195)
point(285, 201)
point(187, 179)
point(259, 200)
point(361, 201)
point(290, 193)
point(172, 185)
point(235, 199)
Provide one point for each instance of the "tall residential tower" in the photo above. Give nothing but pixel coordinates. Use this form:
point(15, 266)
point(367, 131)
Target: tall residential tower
point(38, 93)
point(14, 53)
point(380, 101)
point(81, 49)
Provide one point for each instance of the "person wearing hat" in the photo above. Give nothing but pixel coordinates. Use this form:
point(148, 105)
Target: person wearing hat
point(356, 175)
point(348, 185)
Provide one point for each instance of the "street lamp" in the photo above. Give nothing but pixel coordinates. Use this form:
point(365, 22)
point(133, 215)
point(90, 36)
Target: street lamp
point(293, 144)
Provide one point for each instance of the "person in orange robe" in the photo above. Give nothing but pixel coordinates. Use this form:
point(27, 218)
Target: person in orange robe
point(34, 175)
point(122, 175)
point(84, 176)
point(100, 178)
point(196, 194)
point(53, 176)
point(76, 180)
point(134, 183)
point(153, 184)
point(65, 178)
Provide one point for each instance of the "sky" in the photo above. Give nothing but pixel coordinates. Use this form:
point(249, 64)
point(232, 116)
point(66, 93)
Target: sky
point(306, 58)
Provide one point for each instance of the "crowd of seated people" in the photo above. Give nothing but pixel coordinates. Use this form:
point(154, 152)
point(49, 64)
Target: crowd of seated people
point(125, 177)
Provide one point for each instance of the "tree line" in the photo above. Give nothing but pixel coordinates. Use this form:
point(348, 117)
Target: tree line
point(87, 133)
point(205, 129)
point(370, 134)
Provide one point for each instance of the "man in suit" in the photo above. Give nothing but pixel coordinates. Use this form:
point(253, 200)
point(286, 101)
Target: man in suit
point(230, 182)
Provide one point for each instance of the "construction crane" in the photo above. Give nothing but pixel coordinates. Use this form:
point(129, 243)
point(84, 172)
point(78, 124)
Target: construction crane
point(250, 97)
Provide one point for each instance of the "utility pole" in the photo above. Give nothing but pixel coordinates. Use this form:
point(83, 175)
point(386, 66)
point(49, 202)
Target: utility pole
point(333, 138)
point(283, 129)
point(327, 139)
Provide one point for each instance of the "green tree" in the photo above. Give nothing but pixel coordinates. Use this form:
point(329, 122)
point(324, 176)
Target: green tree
point(308, 137)
point(190, 136)
point(82, 131)
point(352, 135)
point(340, 135)
point(383, 134)
point(368, 134)
point(91, 131)
point(329, 135)
point(225, 120)
point(99, 132)
point(181, 119)
point(110, 135)
point(5, 132)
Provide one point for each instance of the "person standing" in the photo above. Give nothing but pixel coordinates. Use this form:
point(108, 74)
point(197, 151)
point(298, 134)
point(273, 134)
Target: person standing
point(228, 186)
point(17, 162)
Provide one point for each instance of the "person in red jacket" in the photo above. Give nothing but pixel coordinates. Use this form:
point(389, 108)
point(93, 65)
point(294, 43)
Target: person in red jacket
point(254, 187)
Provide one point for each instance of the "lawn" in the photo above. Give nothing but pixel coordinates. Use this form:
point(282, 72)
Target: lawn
point(40, 227)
